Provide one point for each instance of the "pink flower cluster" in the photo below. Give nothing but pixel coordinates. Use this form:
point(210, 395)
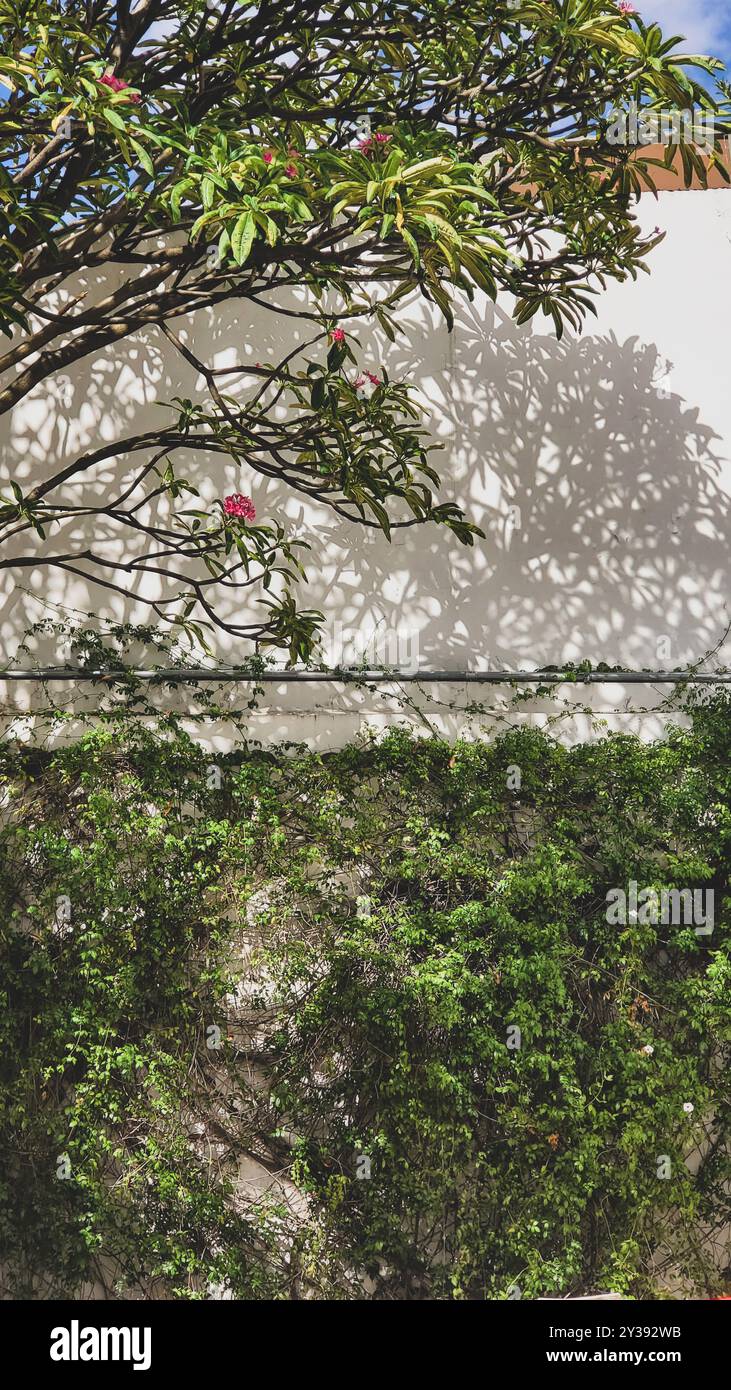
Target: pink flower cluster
point(626, 7)
point(367, 376)
point(117, 84)
point(239, 506)
point(373, 142)
point(337, 335)
point(290, 170)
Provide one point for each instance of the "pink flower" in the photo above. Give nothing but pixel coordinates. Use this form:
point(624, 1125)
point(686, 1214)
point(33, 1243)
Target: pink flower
point(291, 171)
point(117, 84)
point(373, 141)
point(337, 335)
point(109, 80)
point(267, 156)
point(626, 7)
point(365, 379)
point(237, 505)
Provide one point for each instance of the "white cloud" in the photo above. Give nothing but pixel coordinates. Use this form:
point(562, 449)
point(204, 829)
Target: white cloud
point(706, 24)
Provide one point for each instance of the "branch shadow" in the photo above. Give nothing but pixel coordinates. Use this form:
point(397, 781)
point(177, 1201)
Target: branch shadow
point(601, 496)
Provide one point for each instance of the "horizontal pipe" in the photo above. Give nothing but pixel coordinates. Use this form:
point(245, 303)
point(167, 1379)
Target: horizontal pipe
point(181, 674)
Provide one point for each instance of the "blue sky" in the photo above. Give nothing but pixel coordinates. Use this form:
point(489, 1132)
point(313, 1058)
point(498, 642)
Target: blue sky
point(706, 24)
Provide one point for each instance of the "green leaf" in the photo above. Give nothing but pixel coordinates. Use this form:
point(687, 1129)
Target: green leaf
point(143, 157)
point(113, 118)
point(176, 197)
point(208, 192)
point(410, 241)
point(242, 237)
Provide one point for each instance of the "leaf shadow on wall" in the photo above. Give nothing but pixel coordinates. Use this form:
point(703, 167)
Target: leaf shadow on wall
point(602, 499)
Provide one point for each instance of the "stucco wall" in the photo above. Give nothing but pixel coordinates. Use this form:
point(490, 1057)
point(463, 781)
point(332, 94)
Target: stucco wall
point(598, 468)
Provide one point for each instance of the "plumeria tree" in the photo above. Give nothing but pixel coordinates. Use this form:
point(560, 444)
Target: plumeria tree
point(338, 157)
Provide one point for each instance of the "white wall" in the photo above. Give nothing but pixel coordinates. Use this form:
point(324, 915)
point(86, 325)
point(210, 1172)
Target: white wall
point(614, 446)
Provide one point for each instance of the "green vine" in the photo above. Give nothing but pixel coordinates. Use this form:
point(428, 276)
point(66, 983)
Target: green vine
point(259, 1016)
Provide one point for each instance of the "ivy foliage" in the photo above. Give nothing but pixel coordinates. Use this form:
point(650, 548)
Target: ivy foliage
point(316, 969)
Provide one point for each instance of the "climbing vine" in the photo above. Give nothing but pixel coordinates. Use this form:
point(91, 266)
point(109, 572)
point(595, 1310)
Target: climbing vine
point(357, 1024)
